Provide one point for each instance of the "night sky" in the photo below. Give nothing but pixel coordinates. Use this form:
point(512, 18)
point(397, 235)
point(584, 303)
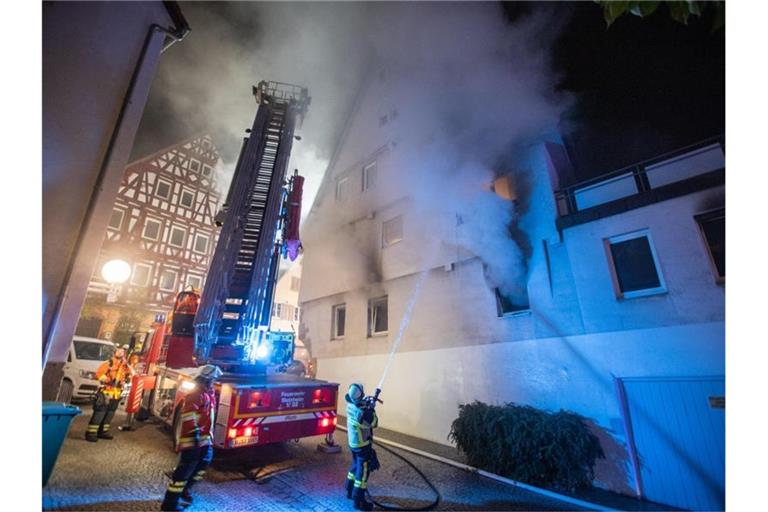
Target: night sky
point(642, 87)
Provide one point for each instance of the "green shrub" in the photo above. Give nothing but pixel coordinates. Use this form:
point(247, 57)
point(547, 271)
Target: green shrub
point(527, 444)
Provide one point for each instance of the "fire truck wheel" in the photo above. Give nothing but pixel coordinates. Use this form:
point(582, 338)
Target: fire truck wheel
point(65, 391)
point(176, 427)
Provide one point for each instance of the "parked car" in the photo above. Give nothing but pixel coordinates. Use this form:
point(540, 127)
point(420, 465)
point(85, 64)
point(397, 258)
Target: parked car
point(85, 356)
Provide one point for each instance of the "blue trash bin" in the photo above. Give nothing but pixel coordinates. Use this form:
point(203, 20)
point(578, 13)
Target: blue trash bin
point(56, 420)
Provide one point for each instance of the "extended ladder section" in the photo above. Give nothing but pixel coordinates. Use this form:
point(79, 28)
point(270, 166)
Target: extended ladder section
point(236, 302)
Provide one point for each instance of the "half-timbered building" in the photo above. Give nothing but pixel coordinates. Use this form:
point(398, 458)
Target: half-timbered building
point(162, 225)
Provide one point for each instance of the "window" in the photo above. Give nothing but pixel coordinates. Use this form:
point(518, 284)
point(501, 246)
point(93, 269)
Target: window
point(392, 231)
point(341, 189)
point(635, 266)
point(201, 244)
point(152, 229)
point(195, 282)
point(187, 198)
point(168, 280)
point(206, 144)
point(712, 225)
point(278, 310)
point(163, 189)
point(369, 176)
point(338, 320)
point(91, 351)
point(141, 273)
point(206, 170)
point(194, 165)
point(177, 236)
point(295, 284)
point(296, 314)
point(116, 220)
point(506, 305)
point(377, 316)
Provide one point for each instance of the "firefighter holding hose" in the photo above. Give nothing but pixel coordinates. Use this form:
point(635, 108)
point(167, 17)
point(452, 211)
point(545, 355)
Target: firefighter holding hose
point(361, 420)
point(196, 440)
point(113, 374)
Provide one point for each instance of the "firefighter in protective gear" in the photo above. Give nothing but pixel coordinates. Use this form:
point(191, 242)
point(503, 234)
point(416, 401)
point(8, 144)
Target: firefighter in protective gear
point(195, 443)
point(112, 374)
point(361, 420)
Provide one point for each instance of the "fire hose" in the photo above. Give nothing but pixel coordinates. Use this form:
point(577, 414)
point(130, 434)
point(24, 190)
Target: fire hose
point(371, 401)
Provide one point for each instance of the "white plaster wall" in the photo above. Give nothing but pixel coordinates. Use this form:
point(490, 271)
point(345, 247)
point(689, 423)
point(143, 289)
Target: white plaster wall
point(692, 294)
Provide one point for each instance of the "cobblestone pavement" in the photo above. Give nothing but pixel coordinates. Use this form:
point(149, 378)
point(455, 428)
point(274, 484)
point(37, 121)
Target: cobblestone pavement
point(129, 473)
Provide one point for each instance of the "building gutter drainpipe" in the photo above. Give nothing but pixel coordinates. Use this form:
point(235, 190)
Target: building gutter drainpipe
point(181, 25)
point(175, 36)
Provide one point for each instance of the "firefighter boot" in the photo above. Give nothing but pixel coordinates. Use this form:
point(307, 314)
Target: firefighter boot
point(171, 502)
point(350, 485)
point(104, 434)
point(361, 501)
point(186, 497)
point(92, 433)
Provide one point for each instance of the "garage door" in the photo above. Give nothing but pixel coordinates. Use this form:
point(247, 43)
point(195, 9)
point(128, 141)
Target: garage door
point(678, 428)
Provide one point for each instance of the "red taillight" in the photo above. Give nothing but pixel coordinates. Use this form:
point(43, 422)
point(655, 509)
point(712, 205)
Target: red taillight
point(248, 432)
point(324, 422)
point(321, 396)
point(232, 433)
point(258, 399)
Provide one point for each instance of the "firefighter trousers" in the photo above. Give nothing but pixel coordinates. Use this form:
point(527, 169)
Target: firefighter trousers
point(364, 461)
point(189, 470)
point(103, 411)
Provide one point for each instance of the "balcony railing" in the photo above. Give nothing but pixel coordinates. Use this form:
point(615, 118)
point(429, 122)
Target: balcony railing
point(696, 159)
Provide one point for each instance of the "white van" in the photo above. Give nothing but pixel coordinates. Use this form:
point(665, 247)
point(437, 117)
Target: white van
point(85, 356)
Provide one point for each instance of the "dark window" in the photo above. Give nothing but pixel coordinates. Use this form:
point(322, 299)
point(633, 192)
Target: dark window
point(339, 320)
point(634, 265)
point(712, 226)
point(163, 189)
point(505, 305)
point(151, 229)
point(187, 198)
point(206, 171)
point(177, 237)
point(116, 220)
point(201, 244)
point(168, 280)
point(194, 165)
point(93, 351)
point(141, 274)
point(377, 316)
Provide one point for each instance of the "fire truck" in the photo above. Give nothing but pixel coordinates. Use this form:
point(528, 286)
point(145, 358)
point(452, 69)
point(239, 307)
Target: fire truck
point(228, 324)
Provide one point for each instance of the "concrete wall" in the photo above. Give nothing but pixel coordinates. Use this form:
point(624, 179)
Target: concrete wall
point(91, 51)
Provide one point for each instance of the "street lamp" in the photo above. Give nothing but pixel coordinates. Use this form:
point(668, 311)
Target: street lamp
point(115, 272)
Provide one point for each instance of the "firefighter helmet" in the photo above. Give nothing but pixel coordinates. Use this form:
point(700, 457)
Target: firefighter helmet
point(209, 372)
point(356, 392)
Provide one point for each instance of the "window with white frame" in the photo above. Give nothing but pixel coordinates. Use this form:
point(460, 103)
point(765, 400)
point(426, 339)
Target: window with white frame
point(338, 320)
point(168, 280)
point(152, 229)
point(207, 170)
point(195, 282)
point(206, 144)
point(278, 310)
point(116, 220)
point(201, 243)
point(296, 314)
point(187, 198)
point(141, 274)
point(194, 165)
point(392, 231)
point(177, 236)
point(342, 186)
point(377, 316)
point(162, 189)
point(369, 176)
point(634, 265)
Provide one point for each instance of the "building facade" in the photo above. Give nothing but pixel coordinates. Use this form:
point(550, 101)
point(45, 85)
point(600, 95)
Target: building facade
point(89, 125)
point(619, 315)
point(162, 225)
